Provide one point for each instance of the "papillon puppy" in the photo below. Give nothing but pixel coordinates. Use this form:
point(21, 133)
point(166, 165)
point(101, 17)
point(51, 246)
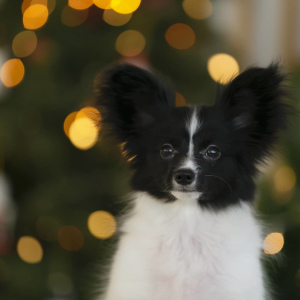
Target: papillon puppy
point(191, 231)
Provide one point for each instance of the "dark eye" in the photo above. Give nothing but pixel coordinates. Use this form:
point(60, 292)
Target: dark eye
point(166, 151)
point(212, 152)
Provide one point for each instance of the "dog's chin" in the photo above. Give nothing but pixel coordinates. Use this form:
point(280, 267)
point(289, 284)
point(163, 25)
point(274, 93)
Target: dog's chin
point(186, 195)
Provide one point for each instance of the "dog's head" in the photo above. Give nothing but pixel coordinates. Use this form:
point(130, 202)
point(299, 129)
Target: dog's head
point(203, 153)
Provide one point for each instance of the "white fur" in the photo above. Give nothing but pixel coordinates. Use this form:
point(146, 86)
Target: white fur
point(179, 251)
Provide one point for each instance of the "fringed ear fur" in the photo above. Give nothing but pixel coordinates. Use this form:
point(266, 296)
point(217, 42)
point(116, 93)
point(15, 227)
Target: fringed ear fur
point(255, 102)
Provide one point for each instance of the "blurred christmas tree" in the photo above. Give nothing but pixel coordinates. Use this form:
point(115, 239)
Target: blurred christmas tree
point(60, 177)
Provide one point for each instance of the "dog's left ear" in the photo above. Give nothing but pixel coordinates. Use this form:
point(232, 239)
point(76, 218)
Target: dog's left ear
point(255, 103)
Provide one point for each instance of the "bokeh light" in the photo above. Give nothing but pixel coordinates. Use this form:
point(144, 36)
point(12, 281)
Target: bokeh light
point(83, 133)
point(180, 36)
point(12, 72)
point(273, 243)
point(113, 18)
point(180, 100)
point(49, 3)
point(70, 238)
point(35, 16)
point(68, 122)
point(125, 6)
point(284, 179)
point(89, 112)
point(104, 4)
point(73, 17)
point(222, 67)
point(130, 43)
point(80, 4)
point(29, 249)
point(197, 9)
point(102, 224)
point(24, 43)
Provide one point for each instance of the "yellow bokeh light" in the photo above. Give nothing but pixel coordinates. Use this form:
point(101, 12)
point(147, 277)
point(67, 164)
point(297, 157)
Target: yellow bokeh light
point(73, 17)
point(125, 6)
point(83, 133)
point(12, 72)
point(24, 43)
point(113, 18)
point(197, 9)
point(102, 224)
point(70, 238)
point(222, 67)
point(89, 112)
point(130, 43)
point(273, 243)
point(49, 3)
point(35, 16)
point(284, 179)
point(80, 4)
point(68, 122)
point(180, 36)
point(104, 4)
point(180, 100)
point(29, 250)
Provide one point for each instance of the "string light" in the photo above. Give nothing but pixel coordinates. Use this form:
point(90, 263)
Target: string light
point(80, 4)
point(273, 243)
point(113, 18)
point(222, 67)
point(70, 238)
point(104, 4)
point(284, 179)
point(12, 72)
point(180, 36)
point(130, 43)
point(24, 43)
point(35, 16)
point(197, 9)
point(29, 250)
point(72, 17)
point(102, 224)
point(125, 6)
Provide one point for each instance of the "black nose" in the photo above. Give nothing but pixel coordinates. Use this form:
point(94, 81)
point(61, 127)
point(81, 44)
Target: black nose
point(184, 176)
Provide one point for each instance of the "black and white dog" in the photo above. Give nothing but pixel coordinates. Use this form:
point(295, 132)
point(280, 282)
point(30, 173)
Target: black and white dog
point(191, 233)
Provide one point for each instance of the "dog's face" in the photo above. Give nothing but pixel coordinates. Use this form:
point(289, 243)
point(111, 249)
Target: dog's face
point(204, 154)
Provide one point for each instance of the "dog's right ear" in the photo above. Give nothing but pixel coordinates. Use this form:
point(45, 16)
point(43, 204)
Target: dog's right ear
point(130, 99)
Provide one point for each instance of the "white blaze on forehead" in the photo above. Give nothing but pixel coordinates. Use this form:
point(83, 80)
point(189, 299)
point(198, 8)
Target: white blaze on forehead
point(192, 127)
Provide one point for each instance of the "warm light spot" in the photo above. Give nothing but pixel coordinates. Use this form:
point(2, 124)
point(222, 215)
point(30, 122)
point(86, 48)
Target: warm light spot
point(49, 3)
point(68, 122)
point(180, 100)
point(130, 43)
point(35, 16)
point(115, 19)
point(102, 224)
point(197, 9)
point(60, 284)
point(125, 6)
point(70, 238)
point(73, 17)
point(180, 36)
point(104, 4)
point(222, 67)
point(273, 243)
point(83, 133)
point(29, 249)
point(47, 228)
point(12, 72)
point(24, 43)
point(80, 4)
point(285, 179)
point(89, 112)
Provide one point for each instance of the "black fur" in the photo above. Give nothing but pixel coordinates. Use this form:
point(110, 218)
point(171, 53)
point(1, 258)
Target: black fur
point(139, 110)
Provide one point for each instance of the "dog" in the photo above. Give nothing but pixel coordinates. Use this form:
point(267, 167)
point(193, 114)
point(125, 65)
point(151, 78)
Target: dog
point(191, 231)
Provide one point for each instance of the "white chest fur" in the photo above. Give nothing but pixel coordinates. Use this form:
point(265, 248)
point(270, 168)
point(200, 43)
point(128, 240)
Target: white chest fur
point(178, 251)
